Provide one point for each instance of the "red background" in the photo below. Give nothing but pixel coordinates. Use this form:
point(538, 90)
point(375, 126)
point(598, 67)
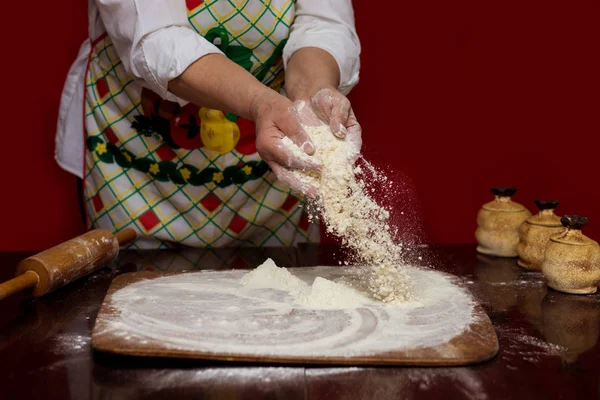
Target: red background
point(455, 97)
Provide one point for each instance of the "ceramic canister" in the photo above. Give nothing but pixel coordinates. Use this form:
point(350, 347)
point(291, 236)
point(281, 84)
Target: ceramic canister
point(498, 224)
point(572, 260)
point(535, 233)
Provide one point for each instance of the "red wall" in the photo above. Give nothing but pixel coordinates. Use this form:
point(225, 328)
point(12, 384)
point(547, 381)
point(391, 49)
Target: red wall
point(463, 96)
point(457, 97)
point(39, 42)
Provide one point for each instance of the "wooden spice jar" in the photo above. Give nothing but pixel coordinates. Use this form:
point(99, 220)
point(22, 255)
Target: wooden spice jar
point(572, 260)
point(535, 233)
point(498, 224)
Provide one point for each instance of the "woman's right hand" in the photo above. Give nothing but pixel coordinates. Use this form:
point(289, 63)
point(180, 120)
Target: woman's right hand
point(276, 117)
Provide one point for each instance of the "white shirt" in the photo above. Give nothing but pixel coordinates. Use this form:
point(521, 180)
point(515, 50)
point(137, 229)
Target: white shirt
point(156, 44)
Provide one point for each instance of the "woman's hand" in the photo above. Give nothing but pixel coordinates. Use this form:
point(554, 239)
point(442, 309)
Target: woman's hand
point(313, 75)
point(276, 117)
point(330, 107)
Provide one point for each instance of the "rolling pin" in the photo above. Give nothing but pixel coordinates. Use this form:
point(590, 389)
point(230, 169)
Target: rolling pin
point(62, 264)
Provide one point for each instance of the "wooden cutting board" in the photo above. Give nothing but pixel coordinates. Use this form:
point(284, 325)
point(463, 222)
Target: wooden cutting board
point(203, 315)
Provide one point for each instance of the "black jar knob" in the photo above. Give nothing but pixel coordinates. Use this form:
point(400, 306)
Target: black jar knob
point(504, 191)
point(546, 204)
point(574, 221)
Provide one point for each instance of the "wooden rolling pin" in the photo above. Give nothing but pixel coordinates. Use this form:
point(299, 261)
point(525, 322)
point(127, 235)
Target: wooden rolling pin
point(62, 264)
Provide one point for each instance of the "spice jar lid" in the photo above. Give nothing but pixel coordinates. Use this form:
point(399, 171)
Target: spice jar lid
point(504, 191)
point(546, 216)
point(572, 235)
point(503, 203)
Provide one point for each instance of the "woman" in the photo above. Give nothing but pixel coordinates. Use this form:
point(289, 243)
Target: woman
point(183, 115)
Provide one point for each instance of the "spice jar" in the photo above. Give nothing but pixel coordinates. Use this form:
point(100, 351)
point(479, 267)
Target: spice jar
point(535, 233)
point(572, 260)
point(498, 224)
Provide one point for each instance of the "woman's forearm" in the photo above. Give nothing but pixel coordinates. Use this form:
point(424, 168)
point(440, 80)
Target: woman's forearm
point(216, 82)
point(309, 70)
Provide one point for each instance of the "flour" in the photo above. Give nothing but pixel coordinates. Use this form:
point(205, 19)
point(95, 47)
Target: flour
point(270, 276)
point(226, 312)
point(71, 343)
point(322, 294)
point(349, 212)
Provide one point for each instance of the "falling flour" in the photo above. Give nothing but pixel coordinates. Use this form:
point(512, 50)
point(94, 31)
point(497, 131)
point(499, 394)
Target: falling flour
point(284, 313)
point(349, 212)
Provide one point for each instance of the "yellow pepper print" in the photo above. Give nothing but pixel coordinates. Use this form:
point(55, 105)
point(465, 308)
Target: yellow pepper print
point(217, 132)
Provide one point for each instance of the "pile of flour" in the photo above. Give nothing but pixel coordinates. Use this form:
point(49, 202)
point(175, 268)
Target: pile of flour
point(321, 295)
point(349, 212)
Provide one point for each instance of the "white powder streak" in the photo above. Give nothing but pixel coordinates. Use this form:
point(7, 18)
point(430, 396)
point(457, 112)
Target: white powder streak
point(213, 312)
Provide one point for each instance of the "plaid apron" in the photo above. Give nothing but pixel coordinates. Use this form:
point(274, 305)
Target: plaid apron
point(190, 175)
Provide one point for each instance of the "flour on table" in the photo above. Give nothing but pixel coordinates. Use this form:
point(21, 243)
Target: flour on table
point(349, 212)
point(71, 343)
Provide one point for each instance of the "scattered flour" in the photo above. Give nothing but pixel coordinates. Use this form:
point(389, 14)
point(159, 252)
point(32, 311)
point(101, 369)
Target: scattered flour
point(296, 312)
point(71, 343)
point(349, 212)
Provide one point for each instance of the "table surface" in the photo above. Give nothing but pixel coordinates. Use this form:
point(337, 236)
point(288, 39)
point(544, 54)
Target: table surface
point(548, 340)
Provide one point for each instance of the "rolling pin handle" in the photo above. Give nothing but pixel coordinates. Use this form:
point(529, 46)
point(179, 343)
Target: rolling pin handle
point(27, 280)
point(125, 236)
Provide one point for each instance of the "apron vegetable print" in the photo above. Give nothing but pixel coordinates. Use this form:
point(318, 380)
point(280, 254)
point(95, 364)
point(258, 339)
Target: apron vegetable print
point(189, 175)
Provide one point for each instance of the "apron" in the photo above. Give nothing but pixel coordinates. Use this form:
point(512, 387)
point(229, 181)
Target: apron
point(190, 175)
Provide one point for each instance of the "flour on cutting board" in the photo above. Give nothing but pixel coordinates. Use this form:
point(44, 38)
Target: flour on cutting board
point(285, 312)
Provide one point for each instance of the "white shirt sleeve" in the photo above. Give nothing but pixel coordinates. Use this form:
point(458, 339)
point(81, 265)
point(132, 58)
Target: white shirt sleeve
point(328, 25)
point(154, 40)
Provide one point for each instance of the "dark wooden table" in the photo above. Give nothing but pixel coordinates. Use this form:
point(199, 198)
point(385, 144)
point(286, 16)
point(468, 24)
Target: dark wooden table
point(548, 341)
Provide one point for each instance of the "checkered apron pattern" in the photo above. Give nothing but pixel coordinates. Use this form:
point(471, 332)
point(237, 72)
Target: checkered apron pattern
point(190, 175)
